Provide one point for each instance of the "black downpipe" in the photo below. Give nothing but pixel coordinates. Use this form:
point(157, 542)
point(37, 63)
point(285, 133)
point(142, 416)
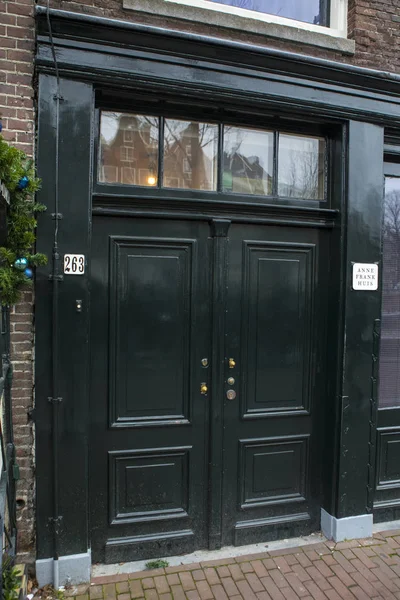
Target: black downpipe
point(56, 277)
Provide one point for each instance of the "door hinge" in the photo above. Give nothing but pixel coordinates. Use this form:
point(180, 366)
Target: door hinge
point(56, 277)
point(16, 472)
point(56, 522)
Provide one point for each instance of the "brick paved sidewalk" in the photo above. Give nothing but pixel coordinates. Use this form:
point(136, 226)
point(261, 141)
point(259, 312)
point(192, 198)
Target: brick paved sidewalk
point(361, 569)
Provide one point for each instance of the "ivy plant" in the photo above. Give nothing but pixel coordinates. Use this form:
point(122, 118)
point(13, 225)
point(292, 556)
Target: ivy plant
point(18, 176)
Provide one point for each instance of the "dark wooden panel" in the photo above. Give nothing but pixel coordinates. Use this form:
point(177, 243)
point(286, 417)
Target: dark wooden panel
point(272, 528)
point(149, 546)
point(151, 288)
point(388, 474)
point(273, 471)
point(148, 484)
point(277, 298)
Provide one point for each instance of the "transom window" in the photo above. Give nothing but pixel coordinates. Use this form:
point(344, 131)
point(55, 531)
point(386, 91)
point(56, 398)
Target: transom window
point(149, 151)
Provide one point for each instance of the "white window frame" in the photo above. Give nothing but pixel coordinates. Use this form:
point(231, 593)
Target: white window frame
point(125, 151)
point(338, 16)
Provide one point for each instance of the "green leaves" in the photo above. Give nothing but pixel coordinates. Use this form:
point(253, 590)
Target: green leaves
point(21, 221)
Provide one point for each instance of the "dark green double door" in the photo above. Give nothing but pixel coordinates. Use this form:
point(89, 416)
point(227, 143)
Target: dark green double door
point(208, 382)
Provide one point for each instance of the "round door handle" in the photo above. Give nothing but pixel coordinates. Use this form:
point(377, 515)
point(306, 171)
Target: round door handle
point(231, 394)
point(232, 363)
point(203, 388)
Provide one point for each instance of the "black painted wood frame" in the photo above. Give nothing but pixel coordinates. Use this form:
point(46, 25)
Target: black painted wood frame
point(94, 53)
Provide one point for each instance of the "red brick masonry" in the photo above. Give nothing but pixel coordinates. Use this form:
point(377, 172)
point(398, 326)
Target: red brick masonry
point(360, 569)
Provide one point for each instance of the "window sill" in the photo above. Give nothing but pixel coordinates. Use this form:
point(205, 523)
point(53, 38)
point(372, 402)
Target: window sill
point(290, 33)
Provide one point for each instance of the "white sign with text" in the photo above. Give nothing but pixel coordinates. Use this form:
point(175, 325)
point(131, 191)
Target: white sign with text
point(365, 276)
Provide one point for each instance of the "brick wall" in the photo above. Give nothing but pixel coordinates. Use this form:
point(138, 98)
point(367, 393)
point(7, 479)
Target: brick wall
point(375, 26)
point(18, 119)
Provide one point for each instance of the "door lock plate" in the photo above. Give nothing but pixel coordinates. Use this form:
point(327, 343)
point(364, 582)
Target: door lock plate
point(231, 394)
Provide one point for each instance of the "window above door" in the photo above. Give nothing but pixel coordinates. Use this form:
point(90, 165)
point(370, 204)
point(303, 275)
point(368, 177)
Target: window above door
point(186, 154)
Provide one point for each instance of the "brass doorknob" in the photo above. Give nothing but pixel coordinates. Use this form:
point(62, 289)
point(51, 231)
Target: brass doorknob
point(232, 363)
point(203, 388)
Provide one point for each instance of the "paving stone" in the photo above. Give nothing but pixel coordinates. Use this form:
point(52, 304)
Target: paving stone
point(246, 590)
point(271, 588)
point(193, 595)
point(173, 579)
point(109, 591)
point(122, 587)
point(187, 581)
point(204, 590)
point(289, 593)
point(301, 573)
point(95, 592)
point(315, 590)
point(230, 587)
point(260, 596)
point(219, 592)
point(278, 578)
point(162, 585)
point(340, 588)
point(246, 567)
point(199, 575)
point(211, 576)
point(316, 576)
point(136, 588)
point(151, 594)
point(282, 564)
point(236, 572)
point(223, 571)
point(124, 597)
point(254, 582)
point(296, 584)
point(177, 592)
point(148, 583)
point(259, 568)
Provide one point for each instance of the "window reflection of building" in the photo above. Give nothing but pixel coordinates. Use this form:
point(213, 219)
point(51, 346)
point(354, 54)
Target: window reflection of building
point(245, 175)
point(130, 156)
point(190, 155)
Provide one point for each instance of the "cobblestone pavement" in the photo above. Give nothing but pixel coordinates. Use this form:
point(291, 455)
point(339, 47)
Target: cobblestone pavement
point(360, 569)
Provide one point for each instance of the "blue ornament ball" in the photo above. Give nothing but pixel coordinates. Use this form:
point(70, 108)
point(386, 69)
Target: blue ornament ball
point(23, 182)
point(21, 263)
point(28, 273)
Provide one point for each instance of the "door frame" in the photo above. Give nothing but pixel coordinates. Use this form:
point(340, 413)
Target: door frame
point(161, 62)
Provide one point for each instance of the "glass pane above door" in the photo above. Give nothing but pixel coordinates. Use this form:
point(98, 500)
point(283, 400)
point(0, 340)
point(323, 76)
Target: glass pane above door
point(389, 359)
point(128, 149)
point(248, 161)
point(190, 155)
point(301, 170)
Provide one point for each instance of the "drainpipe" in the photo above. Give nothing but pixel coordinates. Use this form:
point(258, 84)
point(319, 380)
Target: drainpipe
point(55, 277)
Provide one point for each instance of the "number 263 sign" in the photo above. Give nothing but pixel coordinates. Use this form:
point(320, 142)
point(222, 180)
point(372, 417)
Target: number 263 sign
point(74, 264)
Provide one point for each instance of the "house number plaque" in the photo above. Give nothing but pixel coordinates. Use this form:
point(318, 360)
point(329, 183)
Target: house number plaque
point(365, 276)
point(74, 264)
